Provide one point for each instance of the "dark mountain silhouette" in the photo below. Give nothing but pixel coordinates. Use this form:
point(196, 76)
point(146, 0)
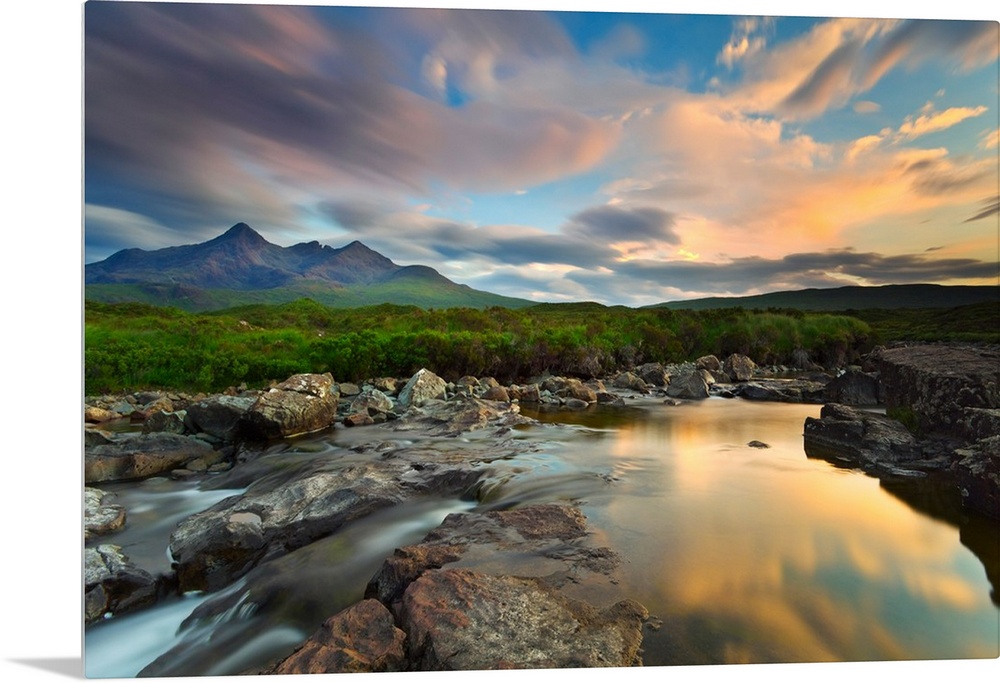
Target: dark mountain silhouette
point(240, 267)
point(852, 297)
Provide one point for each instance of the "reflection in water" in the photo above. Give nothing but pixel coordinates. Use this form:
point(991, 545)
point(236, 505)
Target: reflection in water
point(757, 555)
point(744, 554)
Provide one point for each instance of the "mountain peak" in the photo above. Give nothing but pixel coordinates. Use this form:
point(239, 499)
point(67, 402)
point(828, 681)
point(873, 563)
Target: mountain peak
point(241, 232)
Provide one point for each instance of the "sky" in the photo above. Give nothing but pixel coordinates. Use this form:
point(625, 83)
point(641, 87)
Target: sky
point(619, 157)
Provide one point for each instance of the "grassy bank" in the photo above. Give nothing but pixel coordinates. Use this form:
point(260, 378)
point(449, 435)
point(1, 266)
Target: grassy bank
point(132, 346)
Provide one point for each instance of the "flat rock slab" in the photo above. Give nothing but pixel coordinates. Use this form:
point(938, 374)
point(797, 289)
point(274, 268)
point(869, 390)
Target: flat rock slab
point(142, 456)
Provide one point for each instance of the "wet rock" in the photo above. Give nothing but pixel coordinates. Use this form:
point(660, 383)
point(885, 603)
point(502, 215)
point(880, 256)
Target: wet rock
point(869, 440)
point(349, 389)
point(422, 387)
point(215, 547)
point(781, 390)
point(112, 584)
point(100, 515)
point(463, 414)
point(360, 639)
point(458, 619)
point(530, 393)
point(140, 457)
point(609, 399)
point(978, 473)
point(218, 416)
point(299, 405)
point(853, 388)
point(358, 420)
point(757, 444)
point(496, 393)
point(739, 367)
point(514, 598)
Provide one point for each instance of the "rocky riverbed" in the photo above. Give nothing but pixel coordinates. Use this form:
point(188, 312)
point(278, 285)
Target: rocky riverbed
point(484, 590)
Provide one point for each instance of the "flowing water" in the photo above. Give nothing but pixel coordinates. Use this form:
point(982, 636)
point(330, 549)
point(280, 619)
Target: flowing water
point(743, 554)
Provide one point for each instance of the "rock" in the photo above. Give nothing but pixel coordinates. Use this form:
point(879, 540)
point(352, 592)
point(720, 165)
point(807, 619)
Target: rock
point(709, 363)
point(458, 619)
point(387, 385)
point(937, 383)
point(853, 388)
point(496, 393)
point(689, 385)
point(781, 390)
point(349, 389)
point(869, 440)
point(358, 420)
point(112, 584)
point(576, 404)
point(423, 386)
point(100, 515)
point(96, 415)
point(360, 639)
point(608, 399)
point(299, 405)
point(165, 421)
point(140, 457)
point(215, 547)
point(218, 416)
point(978, 473)
point(757, 444)
point(739, 367)
point(653, 374)
point(628, 380)
point(530, 393)
point(482, 616)
point(371, 401)
point(463, 414)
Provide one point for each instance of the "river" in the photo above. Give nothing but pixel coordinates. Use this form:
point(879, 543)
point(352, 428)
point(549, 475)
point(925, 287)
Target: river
point(744, 554)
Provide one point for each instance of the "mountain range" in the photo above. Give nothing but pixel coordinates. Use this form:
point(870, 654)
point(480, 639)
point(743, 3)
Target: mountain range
point(241, 267)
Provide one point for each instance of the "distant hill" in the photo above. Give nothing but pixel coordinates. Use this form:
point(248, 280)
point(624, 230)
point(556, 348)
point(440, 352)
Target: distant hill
point(240, 267)
point(851, 298)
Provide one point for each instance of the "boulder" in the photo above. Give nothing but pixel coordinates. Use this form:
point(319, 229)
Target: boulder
point(112, 584)
point(100, 515)
point(935, 384)
point(781, 390)
point(371, 401)
point(459, 619)
point(710, 363)
point(689, 385)
point(739, 367)
point(299, 405)
point(462, 414)
point(853, 388)
point(141, 456)
point(214, 547)
point(165, 421)
point(97, 415)
point(628, 380)
point(869, 440)
point(218, 416)
point(530, 393)
point(653, 374)
point(423, 386)
point(496, 393)
point(360, 639)
point(514, 598)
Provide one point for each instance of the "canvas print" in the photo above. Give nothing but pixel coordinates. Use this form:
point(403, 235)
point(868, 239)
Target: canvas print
point(425, 339)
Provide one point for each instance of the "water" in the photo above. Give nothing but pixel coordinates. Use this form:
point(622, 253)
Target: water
point(743, 554)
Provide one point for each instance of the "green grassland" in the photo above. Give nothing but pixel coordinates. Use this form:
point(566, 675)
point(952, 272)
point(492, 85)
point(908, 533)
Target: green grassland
point(129, 346)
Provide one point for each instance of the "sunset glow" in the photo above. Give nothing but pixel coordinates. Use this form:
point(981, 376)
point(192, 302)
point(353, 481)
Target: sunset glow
point(616, 157)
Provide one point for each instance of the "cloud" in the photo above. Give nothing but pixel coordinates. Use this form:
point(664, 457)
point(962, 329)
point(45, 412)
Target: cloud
point(743, 42)
point(990, 207)
point(867, 107)
point(624, 224)
point(932, 122)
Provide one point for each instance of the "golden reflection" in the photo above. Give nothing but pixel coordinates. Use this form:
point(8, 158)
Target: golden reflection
point(811, 561)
